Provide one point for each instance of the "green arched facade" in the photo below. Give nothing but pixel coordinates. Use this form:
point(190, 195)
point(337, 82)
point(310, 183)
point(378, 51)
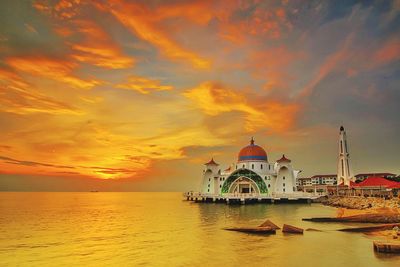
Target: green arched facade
point(244, 173)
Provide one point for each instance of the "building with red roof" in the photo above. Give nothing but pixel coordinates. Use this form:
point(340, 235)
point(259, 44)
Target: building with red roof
point(362, 176)
point(376, 181)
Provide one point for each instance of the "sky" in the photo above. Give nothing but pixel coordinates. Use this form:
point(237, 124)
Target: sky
point(137, 95)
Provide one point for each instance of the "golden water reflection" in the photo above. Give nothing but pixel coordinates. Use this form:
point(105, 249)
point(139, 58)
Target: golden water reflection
point(160, 229)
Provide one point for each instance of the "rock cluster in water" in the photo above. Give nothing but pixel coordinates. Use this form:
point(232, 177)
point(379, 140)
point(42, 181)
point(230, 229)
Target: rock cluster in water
point(362, 202)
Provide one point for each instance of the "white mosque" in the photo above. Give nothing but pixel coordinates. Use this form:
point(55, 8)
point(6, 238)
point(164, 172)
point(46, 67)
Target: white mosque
point(252, 175)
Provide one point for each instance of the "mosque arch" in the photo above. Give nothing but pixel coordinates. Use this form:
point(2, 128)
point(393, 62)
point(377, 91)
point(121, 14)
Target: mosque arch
point(251, 186)
point(244, 173)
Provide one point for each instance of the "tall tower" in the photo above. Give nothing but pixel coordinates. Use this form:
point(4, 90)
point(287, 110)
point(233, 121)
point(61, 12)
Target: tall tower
point(344, 172)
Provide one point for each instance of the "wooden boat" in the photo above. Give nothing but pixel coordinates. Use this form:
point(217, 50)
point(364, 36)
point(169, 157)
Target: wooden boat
point(291, 229)
point(252, 230)
point(387, 247)
point(268, 223)
point(361, 218)
point(371, 228)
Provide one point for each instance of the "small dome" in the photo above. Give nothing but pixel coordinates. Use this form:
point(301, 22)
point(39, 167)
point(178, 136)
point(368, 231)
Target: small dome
point(252, 152)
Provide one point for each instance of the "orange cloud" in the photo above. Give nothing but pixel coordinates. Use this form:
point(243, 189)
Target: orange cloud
point(143, 85)
point(97, 48)
point(94, 46)
point(273, 65)
point(55, 69)
point(390, 51)
point(214, 99)
point(19, 97)
point(146, 24)
point(330, 63)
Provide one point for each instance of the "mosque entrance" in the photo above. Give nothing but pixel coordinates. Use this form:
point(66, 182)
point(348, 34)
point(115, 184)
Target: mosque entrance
point(244, 185)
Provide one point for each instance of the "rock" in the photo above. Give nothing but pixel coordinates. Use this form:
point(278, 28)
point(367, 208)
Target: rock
point(252, 230)
point(291, 229)
point(361, 218)
point(387, 247)
point(268, 223)
point(370, 228)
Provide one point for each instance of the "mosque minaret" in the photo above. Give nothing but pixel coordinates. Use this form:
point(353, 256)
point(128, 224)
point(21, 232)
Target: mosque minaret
point(344, 171)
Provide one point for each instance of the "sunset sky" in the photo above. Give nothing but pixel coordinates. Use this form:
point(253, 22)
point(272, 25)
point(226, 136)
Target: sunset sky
point(137, 95)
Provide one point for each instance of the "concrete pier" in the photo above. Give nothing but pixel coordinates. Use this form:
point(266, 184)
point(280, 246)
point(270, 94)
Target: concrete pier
point(242, 199)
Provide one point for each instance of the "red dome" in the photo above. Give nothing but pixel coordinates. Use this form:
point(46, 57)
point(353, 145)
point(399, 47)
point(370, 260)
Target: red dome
point(252, 152)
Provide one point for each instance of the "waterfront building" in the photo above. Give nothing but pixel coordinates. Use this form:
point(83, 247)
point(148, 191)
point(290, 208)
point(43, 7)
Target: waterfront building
point(303, 181)
point(252, 174)
point(374, 186)
point(324, 179)
point(317, 184)
point(344, 171)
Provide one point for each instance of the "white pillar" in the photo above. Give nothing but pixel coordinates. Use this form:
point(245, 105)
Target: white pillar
point(344, 171)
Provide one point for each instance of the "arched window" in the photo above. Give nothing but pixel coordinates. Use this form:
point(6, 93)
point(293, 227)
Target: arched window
point(243, 166)
point(283, 177)
point(269, 185)
point(252, 166)
point(283, 189)
point(269, 167)
point(283, 184)
point(261, 166)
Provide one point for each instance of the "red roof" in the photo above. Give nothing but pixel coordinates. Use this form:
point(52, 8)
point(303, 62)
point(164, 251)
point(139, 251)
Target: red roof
point(378, 181)
point(211, 162)
point(376, 174)
point(284, 159)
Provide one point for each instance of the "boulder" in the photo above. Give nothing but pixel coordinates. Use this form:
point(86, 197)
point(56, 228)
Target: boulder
point(252, 230)
point(268, 223)
point(291, 229)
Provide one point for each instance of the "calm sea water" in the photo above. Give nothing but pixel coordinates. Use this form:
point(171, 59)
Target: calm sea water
point(160, 229)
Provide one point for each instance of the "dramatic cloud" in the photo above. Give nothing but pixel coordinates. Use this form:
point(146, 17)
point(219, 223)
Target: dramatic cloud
point(150, 90)
point(98, 49)
point(146, 23)
point(55, 69)
point(17, 96)
point(143, 85)
point(215, 99)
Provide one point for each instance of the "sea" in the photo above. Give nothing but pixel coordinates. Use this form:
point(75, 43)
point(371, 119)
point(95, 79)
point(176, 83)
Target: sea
point(163, 229)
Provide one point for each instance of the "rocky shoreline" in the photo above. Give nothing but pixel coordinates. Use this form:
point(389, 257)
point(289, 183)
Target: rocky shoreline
point(363, 203)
